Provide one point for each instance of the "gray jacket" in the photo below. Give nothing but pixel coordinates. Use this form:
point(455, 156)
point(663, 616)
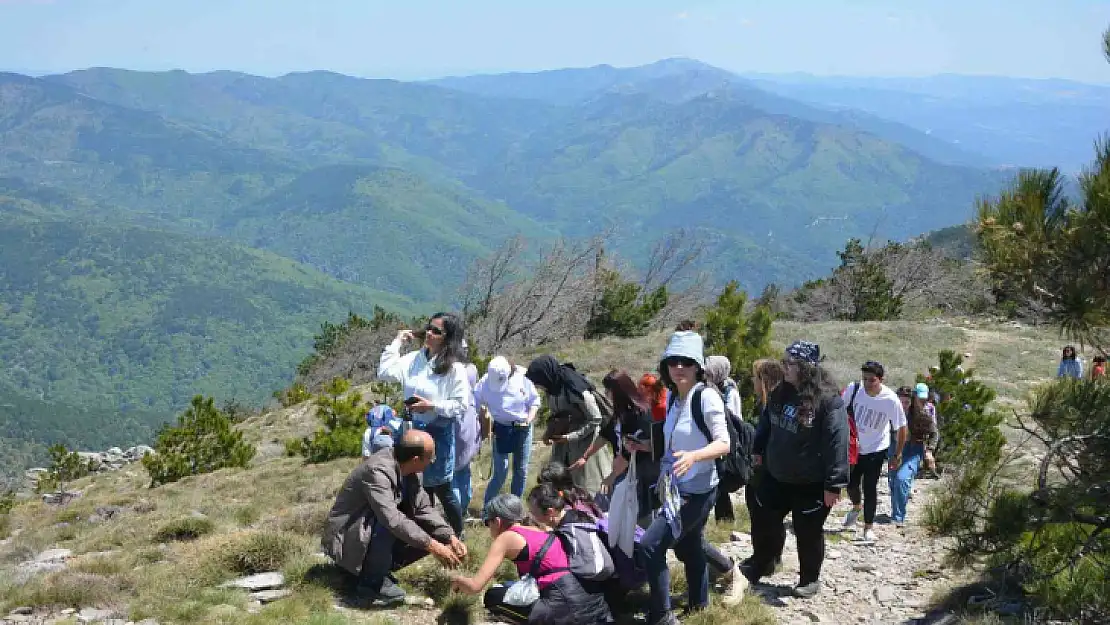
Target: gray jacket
point(375, 491)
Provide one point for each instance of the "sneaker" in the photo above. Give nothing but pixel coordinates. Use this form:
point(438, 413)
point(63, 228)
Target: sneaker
point(806, 591)
point(735, 583)
point(389, 594)
point(851, 518)
point(868, 536)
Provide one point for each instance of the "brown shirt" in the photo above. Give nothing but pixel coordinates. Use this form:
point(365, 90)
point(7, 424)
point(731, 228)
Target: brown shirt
point(376, 491)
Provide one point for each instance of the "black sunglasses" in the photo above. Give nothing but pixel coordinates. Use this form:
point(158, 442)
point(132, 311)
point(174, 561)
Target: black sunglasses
point(433, 329)
point(680, 360)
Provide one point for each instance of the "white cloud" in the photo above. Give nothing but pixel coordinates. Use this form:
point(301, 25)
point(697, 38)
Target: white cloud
point(682, 16)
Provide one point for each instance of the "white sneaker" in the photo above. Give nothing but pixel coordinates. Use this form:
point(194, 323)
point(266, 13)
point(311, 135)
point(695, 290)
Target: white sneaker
point(735, 585)
point(851, 518)
point(868, 536)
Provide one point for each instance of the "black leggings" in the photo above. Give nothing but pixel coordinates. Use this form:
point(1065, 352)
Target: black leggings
point(452, 509)
point(494, 601)
point(867, 469)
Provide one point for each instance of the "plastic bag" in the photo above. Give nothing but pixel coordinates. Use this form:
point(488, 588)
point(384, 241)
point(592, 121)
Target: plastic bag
point(523, 592)
point(623, 508)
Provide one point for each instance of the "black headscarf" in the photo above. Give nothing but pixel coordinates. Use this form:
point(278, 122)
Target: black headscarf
point(546, 373)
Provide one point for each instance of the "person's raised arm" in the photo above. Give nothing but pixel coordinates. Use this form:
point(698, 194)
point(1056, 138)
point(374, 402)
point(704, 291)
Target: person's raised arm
point(391, 366)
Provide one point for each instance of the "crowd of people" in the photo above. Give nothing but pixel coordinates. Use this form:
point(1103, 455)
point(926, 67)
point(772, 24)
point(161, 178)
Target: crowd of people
point(638, 468)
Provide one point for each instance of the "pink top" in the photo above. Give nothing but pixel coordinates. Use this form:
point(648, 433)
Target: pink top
point(554, 564)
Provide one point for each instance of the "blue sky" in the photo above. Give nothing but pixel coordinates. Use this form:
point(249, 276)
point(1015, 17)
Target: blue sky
point(419, 38)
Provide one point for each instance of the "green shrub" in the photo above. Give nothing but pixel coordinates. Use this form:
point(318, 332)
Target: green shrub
point(188, 528)
point(67, 589)
point(968, 426)
point(739, 333)
point(293, 395)
point(343, 417)
point(201, 442)
point(624, 308)
point(65, 466)
point(260, 552)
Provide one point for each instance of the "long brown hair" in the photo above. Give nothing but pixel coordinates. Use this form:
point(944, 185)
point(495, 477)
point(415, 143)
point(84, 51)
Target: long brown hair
point(767, 373)
point(626, 396)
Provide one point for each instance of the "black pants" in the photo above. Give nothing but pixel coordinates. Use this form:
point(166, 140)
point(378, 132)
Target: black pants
point(749, 499)
point(806, 504)
point(494, 600)
point(452, 509)
point(384, 555)
point(867, 470)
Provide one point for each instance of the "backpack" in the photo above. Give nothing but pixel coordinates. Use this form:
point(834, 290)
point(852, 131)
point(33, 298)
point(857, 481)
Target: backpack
point(734, 469)
point(853, 433)
point(587, 556)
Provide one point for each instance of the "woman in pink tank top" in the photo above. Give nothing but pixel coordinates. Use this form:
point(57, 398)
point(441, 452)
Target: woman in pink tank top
point(562, 600)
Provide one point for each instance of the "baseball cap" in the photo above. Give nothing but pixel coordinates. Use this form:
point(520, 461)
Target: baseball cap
point(499, 372)
point(921, 390)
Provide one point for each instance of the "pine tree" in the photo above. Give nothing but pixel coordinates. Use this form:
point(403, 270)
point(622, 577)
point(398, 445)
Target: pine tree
point(870, 292)
point(623, 309)
point(740, 333)
point(968, 427)
point(202, 441)
point(343, 418)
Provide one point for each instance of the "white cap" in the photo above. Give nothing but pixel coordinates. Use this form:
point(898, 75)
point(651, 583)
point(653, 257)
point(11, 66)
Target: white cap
point(499, 372)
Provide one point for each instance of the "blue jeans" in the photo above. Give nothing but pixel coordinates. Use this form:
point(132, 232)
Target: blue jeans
point(509, 440)
point(442, 432)
point(463, 487)
point(690, 548)
point(901, 482)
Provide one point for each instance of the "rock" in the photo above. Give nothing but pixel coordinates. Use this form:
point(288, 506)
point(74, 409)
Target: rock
point(23, 610)
point(832, 554)
point(92, 615)
point(419, 602)
point(814, 617)
point(147, 621)
point(105, 513)
point(255, 583)
point(269, 596)
point(54, 555)
point(67, 612)
point(197, 514)
point(739, 537)
point(114, 451)
point(18, 618)
point(886, 594)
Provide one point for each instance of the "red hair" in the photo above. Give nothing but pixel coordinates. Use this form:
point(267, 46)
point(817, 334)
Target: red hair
point(655, 390)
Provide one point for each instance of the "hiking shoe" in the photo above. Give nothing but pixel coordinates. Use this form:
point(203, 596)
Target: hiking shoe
point(388, 595)
point(735, 583)
point(868, 536)
point(806, 591)
point(851, 518)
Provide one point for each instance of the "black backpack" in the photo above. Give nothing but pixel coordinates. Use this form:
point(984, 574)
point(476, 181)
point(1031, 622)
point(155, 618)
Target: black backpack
point(734, 469)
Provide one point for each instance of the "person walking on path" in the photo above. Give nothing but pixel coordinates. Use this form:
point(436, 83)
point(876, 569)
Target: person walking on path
point(803, 441)
point(918, 451)
point(1070, 364)
point(875, 409)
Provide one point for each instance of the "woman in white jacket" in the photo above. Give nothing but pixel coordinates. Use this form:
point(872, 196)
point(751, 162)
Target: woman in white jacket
point(436, 391)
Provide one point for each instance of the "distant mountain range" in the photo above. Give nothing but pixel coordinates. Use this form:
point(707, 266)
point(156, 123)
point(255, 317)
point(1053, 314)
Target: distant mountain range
point(168, 233)
point(1011, 121)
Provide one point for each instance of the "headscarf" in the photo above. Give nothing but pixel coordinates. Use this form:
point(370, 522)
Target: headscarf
point(804, 351)
point(546, 373)
point(717, 369)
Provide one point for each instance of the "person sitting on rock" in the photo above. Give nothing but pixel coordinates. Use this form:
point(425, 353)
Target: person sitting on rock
point(382, 521)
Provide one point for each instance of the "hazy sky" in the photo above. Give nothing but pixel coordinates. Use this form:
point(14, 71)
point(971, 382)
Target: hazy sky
point(421, 38)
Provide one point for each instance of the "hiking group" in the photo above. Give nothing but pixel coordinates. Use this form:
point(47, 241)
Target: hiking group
point(636, 470)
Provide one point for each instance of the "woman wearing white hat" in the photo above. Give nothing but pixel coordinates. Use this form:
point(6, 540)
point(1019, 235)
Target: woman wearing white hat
point(506, 395)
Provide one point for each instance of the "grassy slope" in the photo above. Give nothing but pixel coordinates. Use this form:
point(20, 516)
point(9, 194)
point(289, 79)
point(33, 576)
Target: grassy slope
point(283, 496)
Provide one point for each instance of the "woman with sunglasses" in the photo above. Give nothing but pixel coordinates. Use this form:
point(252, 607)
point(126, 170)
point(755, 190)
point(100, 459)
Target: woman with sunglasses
point(688, 477)
point(434, 383)
point(803, 440)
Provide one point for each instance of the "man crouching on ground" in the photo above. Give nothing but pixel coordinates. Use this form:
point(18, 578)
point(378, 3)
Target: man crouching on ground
point(382, 521)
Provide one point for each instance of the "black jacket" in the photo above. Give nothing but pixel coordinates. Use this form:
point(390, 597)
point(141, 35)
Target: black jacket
point(795, 452)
